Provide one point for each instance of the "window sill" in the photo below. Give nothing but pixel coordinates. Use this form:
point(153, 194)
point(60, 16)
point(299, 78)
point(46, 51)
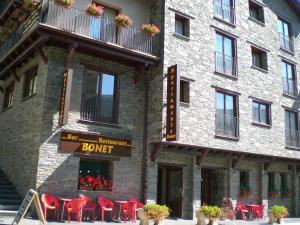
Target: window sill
point(227, 137)
point(289, 96)
point(292, 148)
point(233, 25)
point(28, 97)
point(90, 191)
point(182, 37)
point(261, 125)
point(260, 69)
point(6, 109)
point(287, 51)
point(184, 104)
point(257, 21)
point(112, 125)
point(226, 75)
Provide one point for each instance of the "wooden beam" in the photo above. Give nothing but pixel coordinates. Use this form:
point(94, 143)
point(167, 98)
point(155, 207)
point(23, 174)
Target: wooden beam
point(71, 52)
point(156, 150)
point(42, 54)
point(15, 75)
point(236, 162)
point(139, 71)
point(1, 89)
point(267, 164)
point(200, 159)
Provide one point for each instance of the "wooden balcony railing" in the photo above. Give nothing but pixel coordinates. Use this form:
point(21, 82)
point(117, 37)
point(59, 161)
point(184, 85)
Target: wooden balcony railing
point(290, 87)
point(286, 42)
point(227, 126)
point(225, 64)
point(98, 109)
point(292, 138)
point(224, 12)
point(98, 28)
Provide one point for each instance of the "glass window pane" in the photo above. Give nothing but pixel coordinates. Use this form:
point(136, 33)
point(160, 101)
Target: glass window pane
point(293, 121)
point(228, 46)
point(287, 120)
point(229, 106)
point(286, 29)
point(92, 83)
point(289, 72)
point(263, 114)
point(108, 85)
point(179, 27)
point(284, 70)
point(219, 43)
point(220, 103)
point(255, 112)
point(280, 26)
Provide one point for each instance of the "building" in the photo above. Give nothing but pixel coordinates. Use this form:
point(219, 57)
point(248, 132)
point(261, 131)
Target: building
point(79, 100)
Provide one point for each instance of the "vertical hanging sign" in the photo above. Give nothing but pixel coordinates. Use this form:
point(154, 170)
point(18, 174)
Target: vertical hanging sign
point(172, 126)
point(65, 97)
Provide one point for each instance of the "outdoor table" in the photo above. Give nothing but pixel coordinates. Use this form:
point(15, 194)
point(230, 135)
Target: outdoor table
point(120, 202)
point(64, 200)
point(251, 207)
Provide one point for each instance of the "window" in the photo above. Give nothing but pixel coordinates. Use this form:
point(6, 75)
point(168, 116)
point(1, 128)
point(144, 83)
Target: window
point(8, 96)
point(256, 11)
point(99, 100)
point(289, 79)
point(261, 113)
point(291, 129)
point(225, 55)
point(224, 10)
point(244, 182)
point(181, 25)
point(227, 121)
point(285, 35)
point(95, 175)
point(284, 187)
point(29, 86)
point(259, 58)
point(272, 191)
point(184, 91)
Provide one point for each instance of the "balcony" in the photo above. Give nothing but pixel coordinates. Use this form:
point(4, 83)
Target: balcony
point(225, 64)
point(67, 27)
point(290, 87)
point(292, 138)
point(286, 43)
point(98, 109)
point(224, 12)
point(227, 126)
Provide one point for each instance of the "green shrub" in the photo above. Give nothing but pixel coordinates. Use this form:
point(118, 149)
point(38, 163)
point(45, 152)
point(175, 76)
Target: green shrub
point(211, 211)
point(157, 212)
point(279, 211)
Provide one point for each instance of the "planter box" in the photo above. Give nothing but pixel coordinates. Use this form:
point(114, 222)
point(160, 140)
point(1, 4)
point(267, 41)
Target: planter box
point(144, 219)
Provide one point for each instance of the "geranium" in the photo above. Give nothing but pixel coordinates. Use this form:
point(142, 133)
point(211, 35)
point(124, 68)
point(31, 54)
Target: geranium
point(123, 21)
point(30, 5)
point(65, 3)
point(150, 29)
point(103, 183)
point(94, 10)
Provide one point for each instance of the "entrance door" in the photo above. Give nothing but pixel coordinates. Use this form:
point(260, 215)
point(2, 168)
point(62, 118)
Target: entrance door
point(205, 187)
point(169, 189)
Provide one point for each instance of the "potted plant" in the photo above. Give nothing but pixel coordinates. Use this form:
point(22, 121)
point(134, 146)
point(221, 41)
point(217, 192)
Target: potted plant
point(244, 191)
point(150, 29)
point(64, 3)
point(30, 5)
point(94, 10)
point(156, 213)
point(86, 183)
point(279, 212)
point(123, 21)
point(211, 212)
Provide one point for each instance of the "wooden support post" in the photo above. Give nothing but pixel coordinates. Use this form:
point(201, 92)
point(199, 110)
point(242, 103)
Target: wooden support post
point(42, 54)
point(156, 150)
point(200, 159)
point(71, 52)
point(236, 162)
point(1, 89)
point(15, 75)
point(140, 70)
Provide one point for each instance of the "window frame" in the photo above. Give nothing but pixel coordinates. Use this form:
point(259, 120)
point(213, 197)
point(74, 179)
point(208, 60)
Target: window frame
point(8, 96)
point(232, 5)
point(247, 173)
point(296, 117)
point(116, 101)
point(29, 75)
point(271, 182)
point(294, 74)
point(185, 25)
point(263, 54)
point(260, 13)
point(290, 36)
point(182, 92)
point(268, 113)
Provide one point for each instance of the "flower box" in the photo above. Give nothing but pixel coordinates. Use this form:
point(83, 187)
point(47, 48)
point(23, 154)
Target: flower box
point(123, 21)
point(273, 194)
point(64, 3)
point(94, 10)
point(150, 29)
point(86, 188)
point(286, 194)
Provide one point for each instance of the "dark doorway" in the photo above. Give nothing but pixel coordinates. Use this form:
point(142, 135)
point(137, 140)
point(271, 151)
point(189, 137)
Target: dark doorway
point(169, 189)
point(212, 186)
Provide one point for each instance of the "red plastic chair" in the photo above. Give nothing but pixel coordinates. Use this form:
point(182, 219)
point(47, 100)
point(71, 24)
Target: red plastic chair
point(129, 210)
point(74, 207)
point(106, 205)
point(242, 210)
point(88, 206)
point(259, 211)
point(139, 205)
point(50, 203)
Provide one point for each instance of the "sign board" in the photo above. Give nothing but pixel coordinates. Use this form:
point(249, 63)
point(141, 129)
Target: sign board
point(30, 196)
point(173, 85)
point(94, 144)
point(65, 97)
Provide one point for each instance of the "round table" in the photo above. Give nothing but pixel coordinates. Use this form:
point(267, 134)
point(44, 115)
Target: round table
point(251, 207)
point(64, 200)
point(120, 202)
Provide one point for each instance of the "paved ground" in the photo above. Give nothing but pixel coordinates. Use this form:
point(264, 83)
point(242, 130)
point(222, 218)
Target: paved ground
point(8, 221)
